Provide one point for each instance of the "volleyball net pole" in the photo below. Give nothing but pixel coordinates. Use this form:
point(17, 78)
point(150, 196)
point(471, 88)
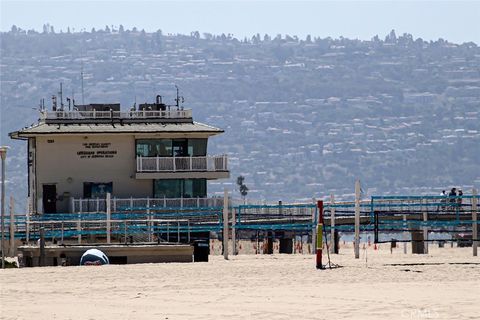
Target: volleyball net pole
point(319, 234)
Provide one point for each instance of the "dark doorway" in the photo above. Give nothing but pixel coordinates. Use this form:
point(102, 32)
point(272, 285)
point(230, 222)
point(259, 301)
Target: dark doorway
point(49, 198)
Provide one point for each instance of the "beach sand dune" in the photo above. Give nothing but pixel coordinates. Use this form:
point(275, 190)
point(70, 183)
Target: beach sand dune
point(445, 284)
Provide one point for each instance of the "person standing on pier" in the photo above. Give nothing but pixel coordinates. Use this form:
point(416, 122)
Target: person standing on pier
point(452, 198)
point(443, 200)
point(459, 199)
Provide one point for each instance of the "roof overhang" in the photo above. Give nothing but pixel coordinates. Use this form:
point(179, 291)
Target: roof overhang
point(43, 129)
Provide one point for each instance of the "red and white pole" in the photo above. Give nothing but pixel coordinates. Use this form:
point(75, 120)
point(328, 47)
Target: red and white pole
point(319, 234)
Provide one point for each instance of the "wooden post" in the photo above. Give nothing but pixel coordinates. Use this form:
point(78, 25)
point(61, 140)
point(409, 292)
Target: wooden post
point(234, 234)
point(405, 234)
point(474, 222)
point(79, 228)
point(332, 224)
point(41, 261)
point(27, 218)
point(357, 219)
point(225, 224)
point(425, 229)
point(12, 229)
point(109, 216)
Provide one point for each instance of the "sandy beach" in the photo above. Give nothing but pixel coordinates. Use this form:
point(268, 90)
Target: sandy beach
point(445, 284)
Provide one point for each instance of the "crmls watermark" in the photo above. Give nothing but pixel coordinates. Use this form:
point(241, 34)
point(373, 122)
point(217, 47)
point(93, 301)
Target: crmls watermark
point(420, 313)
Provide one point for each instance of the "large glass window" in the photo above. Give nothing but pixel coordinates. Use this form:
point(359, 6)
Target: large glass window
point(154, 148)
point(180, 188)
point(168, 188)
point(171, 147)
point(197, 147)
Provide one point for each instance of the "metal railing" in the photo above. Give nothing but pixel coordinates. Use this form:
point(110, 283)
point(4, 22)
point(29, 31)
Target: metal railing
point(141, 114)
point(175, 164)
point(126, 204)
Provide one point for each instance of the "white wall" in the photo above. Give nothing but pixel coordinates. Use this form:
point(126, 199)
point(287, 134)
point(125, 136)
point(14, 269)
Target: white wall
point(60, 163)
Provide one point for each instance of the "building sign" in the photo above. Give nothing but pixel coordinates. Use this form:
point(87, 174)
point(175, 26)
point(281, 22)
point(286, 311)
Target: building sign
point(95, 150)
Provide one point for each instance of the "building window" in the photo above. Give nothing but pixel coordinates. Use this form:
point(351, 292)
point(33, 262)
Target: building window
point(96, 190)
point(197, 147)
point(180, 188)
point(154, 147)
point(171, 147)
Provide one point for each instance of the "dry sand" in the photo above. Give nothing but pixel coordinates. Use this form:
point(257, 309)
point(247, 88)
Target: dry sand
point(254, 287)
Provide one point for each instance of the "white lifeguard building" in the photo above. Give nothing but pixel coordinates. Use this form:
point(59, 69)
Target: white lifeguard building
point(153, 153)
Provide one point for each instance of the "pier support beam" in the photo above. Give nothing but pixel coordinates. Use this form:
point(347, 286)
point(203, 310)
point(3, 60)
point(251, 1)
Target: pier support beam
point(225, 224)
point(405, 234)
point(425, 229)
point(474, 222)
point(357, 219)
point(109, 216)
point(234, 234)
point(12, 228)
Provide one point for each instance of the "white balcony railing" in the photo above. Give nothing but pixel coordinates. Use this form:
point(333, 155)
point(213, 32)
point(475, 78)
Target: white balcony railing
point(182, 164)
point(142, 114)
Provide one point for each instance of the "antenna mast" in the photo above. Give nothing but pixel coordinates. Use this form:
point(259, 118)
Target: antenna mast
point(178, 98)
point(60, 93)
point(83, 98)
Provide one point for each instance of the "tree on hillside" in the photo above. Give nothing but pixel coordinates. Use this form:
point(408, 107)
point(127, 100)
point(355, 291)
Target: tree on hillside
point(242, 187)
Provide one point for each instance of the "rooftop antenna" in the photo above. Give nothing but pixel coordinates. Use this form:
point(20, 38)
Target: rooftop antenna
point(83, 97)
point(178, 98)
point(54, 103)
point(60, 93)
point(73, 99)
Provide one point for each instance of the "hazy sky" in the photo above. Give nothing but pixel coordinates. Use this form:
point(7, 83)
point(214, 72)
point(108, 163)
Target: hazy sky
point(456, 21)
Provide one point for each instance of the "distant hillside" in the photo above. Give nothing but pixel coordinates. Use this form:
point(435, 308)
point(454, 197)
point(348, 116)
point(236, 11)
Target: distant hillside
point(303, 117)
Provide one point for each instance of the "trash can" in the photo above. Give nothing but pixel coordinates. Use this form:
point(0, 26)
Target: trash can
point(286, 246)
point(201, 250)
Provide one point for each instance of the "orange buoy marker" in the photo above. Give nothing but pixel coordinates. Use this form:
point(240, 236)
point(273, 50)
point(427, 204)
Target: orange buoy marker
point(319, 234)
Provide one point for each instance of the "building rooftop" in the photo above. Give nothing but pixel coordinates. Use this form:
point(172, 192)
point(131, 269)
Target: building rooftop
point(43, 128)
point(108, 118)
